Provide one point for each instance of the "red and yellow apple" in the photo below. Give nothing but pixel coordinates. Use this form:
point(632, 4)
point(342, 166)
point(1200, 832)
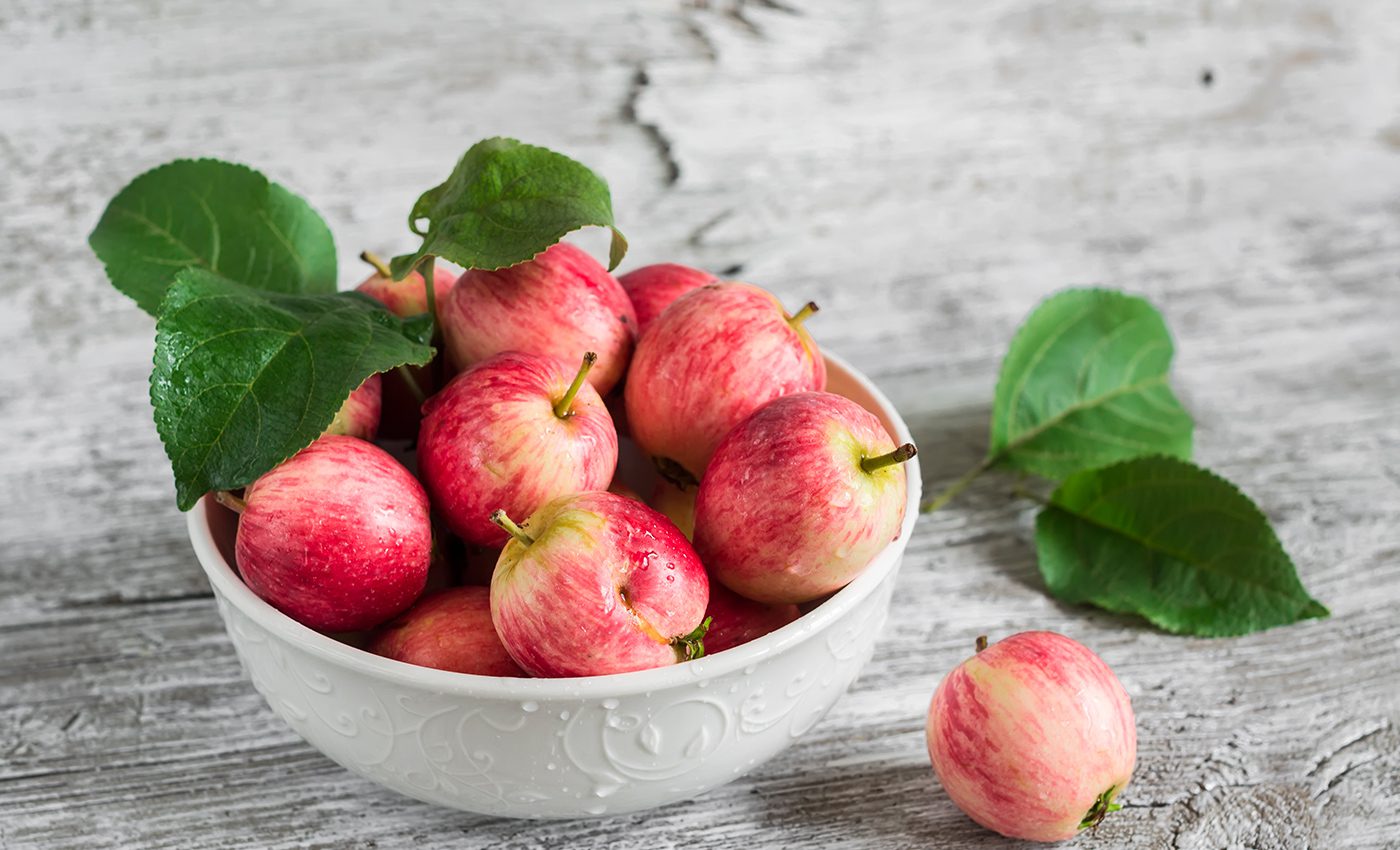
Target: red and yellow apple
point(597, 583)
point(447, 630)
point(653, 288)
point(359, 415)
point(735, 620)
point(560, 304)
point(799, 498)
point(337, 537)
point(710, 359)
point(677, 504)
point(511, 433)
point(1033, 737)
point(406, 298)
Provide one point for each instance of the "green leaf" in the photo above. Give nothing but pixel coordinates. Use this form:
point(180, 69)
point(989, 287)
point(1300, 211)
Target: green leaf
point(419, 328)
point(225, 218)
point(1085, 384)
point(504, 203)
point(1173, 542)
point(244, 378)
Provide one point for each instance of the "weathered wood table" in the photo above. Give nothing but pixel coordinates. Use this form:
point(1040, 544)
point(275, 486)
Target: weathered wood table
point(927, 172)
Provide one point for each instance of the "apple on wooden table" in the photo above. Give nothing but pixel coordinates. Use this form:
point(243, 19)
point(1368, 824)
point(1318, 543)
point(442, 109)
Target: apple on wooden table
point(1033, 736)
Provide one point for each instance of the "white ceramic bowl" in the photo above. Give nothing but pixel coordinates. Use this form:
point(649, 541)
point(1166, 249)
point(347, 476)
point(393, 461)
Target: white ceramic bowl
point(558, 748)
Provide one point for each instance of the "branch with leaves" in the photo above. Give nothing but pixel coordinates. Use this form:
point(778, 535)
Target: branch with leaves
point(1084, 399)
point(255, 348)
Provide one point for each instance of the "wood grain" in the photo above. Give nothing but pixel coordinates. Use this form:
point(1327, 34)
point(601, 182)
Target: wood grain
point(927, 172)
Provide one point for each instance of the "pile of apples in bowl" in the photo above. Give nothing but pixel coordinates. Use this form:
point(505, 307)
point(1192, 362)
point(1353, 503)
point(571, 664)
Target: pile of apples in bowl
point(480, 611)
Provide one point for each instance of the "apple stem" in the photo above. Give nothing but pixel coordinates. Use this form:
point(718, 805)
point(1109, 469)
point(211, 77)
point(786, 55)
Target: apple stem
point(899, 455)
point(981, 642)
point(563, 408)
point(230, 501)
point(802, 315)
point(499, 518)
point(380, 267)
point(692, 646)
point(1100, 810)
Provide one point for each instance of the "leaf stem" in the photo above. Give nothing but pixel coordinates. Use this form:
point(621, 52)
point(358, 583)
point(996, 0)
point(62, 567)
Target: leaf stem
point(563, 408)
point(380, 267)
point(429, 290)
point(803, 314)
point(406, 375)
point(230, 501)
point(499, 518)
point(1020, 491)
point(899, 455)
point(960, 485)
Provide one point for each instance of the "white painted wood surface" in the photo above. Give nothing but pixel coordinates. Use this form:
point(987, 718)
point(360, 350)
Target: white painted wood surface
point(927, 171)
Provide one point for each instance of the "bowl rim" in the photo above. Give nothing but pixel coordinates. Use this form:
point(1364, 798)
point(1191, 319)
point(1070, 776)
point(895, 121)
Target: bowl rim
point(231, 588)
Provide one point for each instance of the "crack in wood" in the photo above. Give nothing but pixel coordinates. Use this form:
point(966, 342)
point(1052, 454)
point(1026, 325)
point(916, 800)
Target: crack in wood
point(738, 12)
point(108, 600)
point(650, 129)
point(1382, 726)
point(707, 45)
point(779, 7)
point(1336, 780)
point(697, 236)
